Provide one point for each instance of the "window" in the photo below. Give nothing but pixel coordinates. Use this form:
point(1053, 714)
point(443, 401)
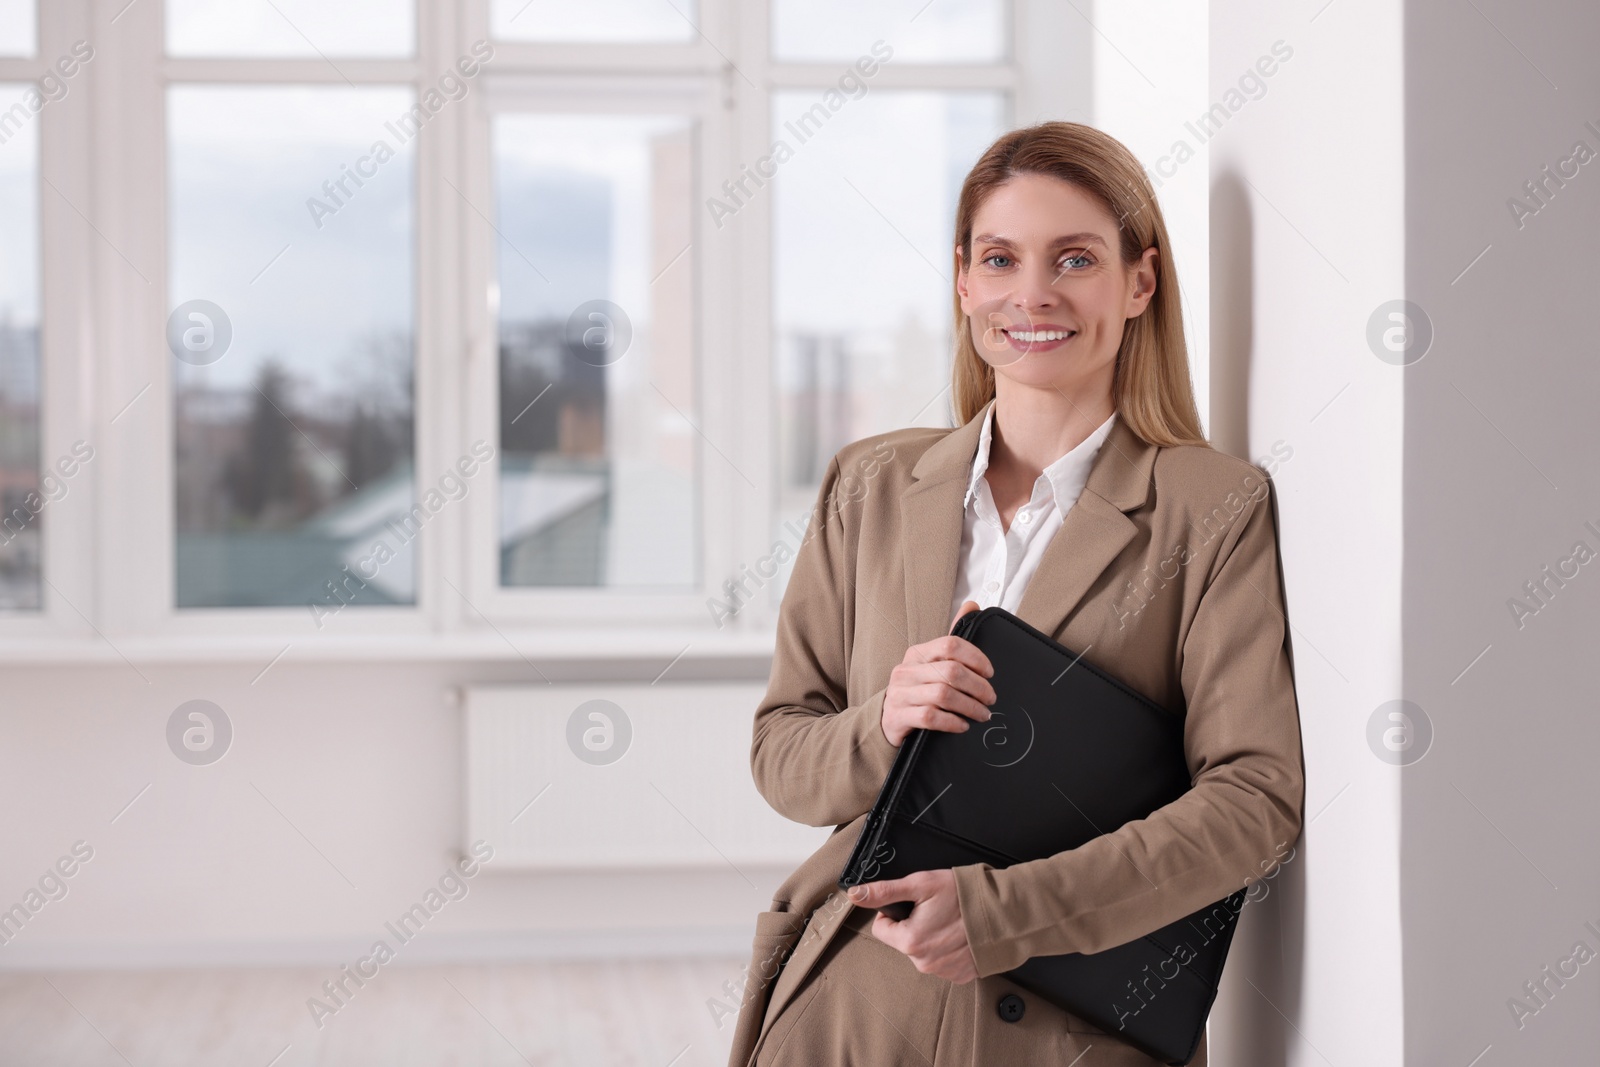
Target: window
point(918, 31)
point(21, 501)
point(597, 21)
point(596, 359)
point(463, 317)
point(17, 28)
point(290, 28)
point(290, 309)
point(289, 250)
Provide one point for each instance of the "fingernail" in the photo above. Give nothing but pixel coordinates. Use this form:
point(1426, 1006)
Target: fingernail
point(856, 892)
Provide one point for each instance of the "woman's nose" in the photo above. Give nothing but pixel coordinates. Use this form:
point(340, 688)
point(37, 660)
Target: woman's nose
point(1036, 291)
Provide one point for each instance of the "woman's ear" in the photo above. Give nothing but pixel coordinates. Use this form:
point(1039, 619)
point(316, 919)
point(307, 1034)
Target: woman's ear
point(1144, 283)
point(961, 282)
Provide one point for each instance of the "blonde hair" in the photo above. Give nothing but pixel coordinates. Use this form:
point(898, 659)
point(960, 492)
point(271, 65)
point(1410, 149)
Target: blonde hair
point(1151, 387)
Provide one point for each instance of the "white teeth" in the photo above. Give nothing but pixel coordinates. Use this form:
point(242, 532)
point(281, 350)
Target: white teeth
point(1031, 337)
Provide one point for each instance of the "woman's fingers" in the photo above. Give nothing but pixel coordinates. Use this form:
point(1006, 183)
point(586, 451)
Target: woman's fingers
point(931, 717)
point(959, 676)
point(957, 649)
point(968, 694)
point(937, 696)
point(943, 684)
point(949, 722)
point(888, 890)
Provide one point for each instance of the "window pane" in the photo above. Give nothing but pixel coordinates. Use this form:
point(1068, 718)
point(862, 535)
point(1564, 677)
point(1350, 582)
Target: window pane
point(23, 505)
point(291, 27)
point(919, 31)
point(17, 30)
point(597, 382)
point(595, 20)
point(291, 331)
point(864, 233)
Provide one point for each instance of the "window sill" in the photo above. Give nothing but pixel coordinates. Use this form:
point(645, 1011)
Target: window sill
point(508, 645)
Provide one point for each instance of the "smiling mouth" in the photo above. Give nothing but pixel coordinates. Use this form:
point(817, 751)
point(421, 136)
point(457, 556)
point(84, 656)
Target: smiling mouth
point(1036, 336)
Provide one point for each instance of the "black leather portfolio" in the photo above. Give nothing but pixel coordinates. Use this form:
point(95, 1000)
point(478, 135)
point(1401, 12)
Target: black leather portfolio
point(1068, 754)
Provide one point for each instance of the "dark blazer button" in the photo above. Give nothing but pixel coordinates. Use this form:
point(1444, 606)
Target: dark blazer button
point(1011, 1007)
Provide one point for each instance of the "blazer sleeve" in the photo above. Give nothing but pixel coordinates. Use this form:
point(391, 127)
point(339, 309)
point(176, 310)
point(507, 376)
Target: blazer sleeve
point(814, 758)
point(1242, 742)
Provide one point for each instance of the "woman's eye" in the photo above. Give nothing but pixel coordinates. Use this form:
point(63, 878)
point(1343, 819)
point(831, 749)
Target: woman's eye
point(997, 255)
point(1069, 260)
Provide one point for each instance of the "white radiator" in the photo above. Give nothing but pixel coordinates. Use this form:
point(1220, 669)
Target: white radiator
point(550, 792)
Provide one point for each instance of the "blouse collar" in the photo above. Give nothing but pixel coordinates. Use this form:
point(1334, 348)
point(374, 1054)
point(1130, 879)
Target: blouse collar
point(1065, 477)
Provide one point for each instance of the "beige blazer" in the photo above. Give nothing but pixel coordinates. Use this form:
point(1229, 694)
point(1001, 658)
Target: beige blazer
point(1165, 574)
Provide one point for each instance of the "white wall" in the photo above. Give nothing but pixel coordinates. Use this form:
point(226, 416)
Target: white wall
point(363, 760)
point(1308, 205)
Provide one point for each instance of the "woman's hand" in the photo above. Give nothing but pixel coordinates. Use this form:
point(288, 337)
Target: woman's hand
point(932, 937)
point(939, 685)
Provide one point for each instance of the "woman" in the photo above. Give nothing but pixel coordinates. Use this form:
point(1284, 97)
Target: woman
point(1079, 492)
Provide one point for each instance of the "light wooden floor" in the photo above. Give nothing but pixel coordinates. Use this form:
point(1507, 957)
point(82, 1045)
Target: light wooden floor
point(587, 1014)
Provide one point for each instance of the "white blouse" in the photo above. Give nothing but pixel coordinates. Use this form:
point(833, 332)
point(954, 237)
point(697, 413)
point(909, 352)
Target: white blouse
point(997, 564)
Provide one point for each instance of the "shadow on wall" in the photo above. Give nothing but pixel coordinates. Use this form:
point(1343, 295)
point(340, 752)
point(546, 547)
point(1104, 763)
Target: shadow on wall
point(1232, 313)
point(1261, 983)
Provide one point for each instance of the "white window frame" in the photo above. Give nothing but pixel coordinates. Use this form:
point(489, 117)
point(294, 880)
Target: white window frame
point(694, 95)
point(67, 379)
point(108, 552)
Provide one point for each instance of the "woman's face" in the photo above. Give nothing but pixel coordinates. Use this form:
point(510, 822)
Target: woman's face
point(1046, 294)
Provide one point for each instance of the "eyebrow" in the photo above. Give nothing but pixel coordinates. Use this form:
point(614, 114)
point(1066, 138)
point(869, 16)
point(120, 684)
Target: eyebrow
point(1071, 238)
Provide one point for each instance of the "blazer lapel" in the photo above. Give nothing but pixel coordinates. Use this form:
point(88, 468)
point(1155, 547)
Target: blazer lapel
point(1094, 531)
point(930, 528)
